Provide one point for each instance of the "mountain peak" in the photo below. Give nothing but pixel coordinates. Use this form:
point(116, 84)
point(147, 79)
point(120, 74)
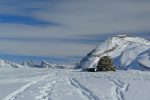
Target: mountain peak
point(125, 50)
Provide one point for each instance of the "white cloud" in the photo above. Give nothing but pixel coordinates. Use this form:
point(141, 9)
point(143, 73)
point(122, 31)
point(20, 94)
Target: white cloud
point(77, 18)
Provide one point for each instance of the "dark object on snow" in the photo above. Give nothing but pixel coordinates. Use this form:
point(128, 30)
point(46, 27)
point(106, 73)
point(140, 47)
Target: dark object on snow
point(89, 70)
point(105, 64)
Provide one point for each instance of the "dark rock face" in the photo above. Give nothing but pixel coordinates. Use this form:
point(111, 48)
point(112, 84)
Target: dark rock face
point(89, 70)
point(105, 64)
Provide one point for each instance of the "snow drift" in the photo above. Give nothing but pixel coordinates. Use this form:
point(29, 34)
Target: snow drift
point(127, 53)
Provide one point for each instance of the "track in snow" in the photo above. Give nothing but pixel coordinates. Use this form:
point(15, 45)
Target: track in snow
point(46, 91)
point(83, 90)
point(19, 80)
point(16, 93)
point(119, 89)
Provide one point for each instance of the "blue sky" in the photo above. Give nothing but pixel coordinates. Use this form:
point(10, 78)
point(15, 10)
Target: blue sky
point(66, 29)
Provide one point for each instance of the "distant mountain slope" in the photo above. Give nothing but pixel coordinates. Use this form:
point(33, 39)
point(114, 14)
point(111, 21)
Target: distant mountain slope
point(45, 64)
point(8, 64)
point(127, 53)
point(31, 64)
point(28, 63)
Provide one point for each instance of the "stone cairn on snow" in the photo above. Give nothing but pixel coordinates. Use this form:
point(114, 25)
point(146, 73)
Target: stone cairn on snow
point(105, 64)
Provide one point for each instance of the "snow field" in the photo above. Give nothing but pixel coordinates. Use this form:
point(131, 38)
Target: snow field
point(69, 84)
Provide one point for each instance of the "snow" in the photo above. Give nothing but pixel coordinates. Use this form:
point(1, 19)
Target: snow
point(144, 59)
point(127, 53)
point(70, 84)
point(63, 82)
point(45, 64)
point(4, 63)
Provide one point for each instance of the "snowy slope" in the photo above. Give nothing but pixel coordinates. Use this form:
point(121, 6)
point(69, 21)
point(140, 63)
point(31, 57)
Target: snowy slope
point(64, 84)
point(127, 53)
point(8, 64)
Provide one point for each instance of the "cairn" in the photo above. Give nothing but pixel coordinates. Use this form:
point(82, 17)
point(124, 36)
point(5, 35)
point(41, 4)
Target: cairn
point(105, 64)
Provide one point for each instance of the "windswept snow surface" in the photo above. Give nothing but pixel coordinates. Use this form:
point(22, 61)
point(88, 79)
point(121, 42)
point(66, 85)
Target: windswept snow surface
point(127, 53)
point(69, 84)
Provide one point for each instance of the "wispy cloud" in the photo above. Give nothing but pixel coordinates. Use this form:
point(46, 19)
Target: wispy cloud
point(73, 27)
point(76, 40)
point(102, 37)
point(27, 20)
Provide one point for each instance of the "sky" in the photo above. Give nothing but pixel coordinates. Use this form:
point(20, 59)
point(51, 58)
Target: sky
point(66, 30)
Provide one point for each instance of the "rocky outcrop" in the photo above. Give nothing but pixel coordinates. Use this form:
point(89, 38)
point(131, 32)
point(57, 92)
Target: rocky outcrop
point(45, 64)
point(105, 64)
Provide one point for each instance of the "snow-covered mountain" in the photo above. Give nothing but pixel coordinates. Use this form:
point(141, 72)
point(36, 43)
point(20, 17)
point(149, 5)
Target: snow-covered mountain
point(45, 64)
point(8, 64)
point(29, 63)
point(127, 53)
